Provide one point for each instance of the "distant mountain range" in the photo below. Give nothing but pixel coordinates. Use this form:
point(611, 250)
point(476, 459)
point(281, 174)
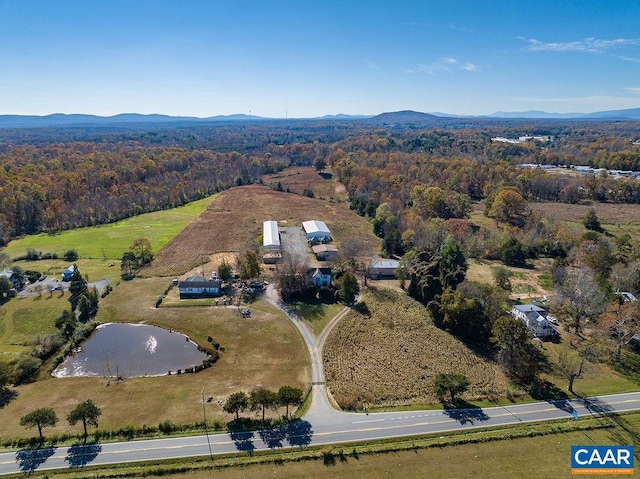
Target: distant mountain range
point(632, 113)
point(390, 118)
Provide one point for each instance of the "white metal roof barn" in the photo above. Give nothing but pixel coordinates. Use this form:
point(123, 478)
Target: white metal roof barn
point(316, 231)
point(270, 235)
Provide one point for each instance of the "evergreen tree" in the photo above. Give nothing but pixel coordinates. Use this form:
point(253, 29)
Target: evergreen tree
point(78, 284)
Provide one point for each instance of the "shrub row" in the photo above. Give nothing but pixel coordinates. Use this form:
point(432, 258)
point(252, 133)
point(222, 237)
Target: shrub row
point(163, 295)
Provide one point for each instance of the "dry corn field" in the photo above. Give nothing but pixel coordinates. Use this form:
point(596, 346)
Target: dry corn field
point(390, 357)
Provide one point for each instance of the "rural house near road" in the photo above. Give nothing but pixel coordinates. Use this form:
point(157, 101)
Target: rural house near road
point(16, 279)
point(199, 287)
point(536, 319)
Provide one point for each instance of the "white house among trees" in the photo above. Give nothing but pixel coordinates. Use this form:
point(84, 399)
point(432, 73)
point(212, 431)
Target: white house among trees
point(536, 319)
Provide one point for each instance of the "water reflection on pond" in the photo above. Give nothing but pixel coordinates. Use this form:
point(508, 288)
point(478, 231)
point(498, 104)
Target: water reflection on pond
point(130, 350)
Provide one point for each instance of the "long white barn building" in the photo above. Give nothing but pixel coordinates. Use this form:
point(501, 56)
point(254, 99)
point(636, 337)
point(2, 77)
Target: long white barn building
point(270, 236)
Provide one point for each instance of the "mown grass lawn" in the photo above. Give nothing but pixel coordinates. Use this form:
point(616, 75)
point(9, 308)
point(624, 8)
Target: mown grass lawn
point(110, 241)
point(265, 350)
point(317, 314)
point(21, 319)
point(91, 269)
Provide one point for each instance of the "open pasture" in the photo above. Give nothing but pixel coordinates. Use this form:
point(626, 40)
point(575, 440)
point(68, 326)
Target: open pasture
point(233, 222)
point(297, 179)
point(110, 241)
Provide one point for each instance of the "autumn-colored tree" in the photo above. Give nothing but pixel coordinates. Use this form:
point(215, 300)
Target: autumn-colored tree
point(580, 299)
point(508, 206)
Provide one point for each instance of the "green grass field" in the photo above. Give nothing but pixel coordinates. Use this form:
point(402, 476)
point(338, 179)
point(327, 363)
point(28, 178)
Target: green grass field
point(110, 241)
point(317, 314)
point(22, 319)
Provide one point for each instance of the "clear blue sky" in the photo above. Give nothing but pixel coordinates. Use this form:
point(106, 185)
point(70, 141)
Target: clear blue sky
point(214, 57)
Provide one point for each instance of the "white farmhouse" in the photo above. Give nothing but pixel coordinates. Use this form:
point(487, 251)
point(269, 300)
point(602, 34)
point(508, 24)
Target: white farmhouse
point(536, 319)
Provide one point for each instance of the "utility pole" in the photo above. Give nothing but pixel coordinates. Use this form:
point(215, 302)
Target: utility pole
point(206, 430)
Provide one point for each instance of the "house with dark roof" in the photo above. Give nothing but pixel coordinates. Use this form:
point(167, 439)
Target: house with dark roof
point(16, 279)
point(536, 319)
point(199, 287)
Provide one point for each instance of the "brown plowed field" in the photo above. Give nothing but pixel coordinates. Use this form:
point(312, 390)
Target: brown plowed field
point(390, 357)
point(233, 222)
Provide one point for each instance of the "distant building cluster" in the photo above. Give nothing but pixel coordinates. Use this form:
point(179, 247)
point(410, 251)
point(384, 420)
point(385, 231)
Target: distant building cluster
point(586, 170)
point(523, 139)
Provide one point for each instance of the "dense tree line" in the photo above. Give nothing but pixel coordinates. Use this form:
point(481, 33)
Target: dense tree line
point(55, 179)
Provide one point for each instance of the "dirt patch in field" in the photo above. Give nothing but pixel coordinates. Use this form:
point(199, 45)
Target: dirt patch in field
point(390, 356)
point(526, 283)
point(233, 223)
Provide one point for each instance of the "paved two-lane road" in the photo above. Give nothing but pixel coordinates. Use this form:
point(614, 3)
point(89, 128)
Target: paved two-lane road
point(333, 428)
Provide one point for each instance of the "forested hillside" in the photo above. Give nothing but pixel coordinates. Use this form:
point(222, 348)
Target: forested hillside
point(55, 179)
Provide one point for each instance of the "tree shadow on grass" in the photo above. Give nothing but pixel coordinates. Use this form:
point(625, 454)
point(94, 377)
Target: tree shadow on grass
point(465, 412)
point(80, 455)
point(30, 459)
point(6, 396)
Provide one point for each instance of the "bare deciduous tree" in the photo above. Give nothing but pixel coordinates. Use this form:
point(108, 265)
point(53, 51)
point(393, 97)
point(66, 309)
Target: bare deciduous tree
point(580, 299)
point(622, 323)
point(355, 256)
point(569, 365)
point(291, 273)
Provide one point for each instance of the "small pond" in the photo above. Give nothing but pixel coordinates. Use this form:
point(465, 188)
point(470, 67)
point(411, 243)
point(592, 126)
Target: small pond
point(130, 350)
